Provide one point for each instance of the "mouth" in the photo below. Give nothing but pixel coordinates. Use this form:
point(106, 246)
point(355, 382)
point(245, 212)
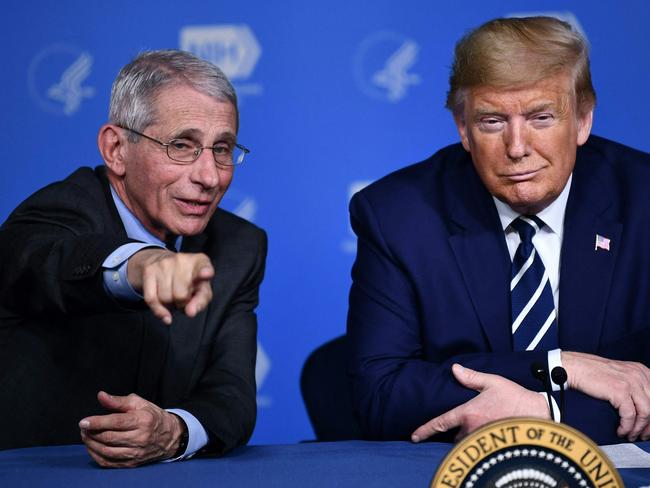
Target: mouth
point(520, 176)
point(191, 207)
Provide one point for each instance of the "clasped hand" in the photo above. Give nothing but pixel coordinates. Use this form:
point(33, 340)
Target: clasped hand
point(168, 279)
point(138, 432)
point(624, 384)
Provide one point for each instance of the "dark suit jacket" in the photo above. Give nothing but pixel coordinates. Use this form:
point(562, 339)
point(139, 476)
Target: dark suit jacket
point(431, 286)
point(62, 338)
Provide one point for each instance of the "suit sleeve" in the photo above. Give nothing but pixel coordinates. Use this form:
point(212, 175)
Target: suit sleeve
point(51, 250)
point(396, 384)
point(224, 400)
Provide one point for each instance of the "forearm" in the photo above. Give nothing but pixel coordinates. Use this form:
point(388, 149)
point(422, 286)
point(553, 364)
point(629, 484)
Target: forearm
point(229, 421)
point(51, 253)
point(393, 397)
point(591, 416)
point(224, 399)
point(401, 369)
point(54, 277)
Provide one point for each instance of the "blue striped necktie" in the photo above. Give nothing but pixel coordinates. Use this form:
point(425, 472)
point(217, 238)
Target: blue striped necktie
point(534, 323)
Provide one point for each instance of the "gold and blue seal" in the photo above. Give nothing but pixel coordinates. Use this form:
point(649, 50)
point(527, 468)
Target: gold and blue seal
point(526, 452)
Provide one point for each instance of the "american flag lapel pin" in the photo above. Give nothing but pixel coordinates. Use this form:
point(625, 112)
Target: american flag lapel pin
point(602, 243)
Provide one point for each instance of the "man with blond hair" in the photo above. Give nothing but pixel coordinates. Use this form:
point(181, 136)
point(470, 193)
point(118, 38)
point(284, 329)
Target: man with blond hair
point(523, 246)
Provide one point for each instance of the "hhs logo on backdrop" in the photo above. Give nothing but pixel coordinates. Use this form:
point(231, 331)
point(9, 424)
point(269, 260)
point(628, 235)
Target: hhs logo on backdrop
point(233, 48)
point(383, 65)
point(57, 79)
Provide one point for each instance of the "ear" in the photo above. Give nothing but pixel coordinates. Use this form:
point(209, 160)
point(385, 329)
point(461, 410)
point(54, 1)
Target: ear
point(585, 122)
point(459, 119)
point(112, 146)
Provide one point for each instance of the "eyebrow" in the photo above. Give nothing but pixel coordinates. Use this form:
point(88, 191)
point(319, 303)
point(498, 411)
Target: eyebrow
point(486, 111)
point(195, 134)
point(541, 107)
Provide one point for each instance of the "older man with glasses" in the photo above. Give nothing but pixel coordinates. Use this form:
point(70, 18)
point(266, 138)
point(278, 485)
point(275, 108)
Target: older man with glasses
point(127, 297)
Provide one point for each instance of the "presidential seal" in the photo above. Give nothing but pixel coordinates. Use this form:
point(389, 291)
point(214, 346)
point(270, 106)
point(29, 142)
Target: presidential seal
point(526, 452)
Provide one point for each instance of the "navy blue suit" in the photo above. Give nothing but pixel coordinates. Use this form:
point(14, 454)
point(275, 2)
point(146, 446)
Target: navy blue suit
point(431, 286)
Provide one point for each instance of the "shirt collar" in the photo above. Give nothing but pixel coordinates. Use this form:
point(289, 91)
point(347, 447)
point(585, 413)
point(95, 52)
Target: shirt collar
point(134, 228)
point(553, 215)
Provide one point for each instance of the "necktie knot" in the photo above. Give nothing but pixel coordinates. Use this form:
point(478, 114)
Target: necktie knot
point(527, 226)
point(170, 243)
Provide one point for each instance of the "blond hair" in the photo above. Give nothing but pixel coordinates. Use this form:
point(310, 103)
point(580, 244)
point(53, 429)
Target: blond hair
point(512, 52)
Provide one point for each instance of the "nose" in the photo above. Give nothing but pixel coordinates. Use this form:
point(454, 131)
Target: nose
point(205, 171)
point(516, 139)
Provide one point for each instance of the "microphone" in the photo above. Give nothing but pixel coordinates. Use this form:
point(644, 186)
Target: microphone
point(538, 370)
point(559, 377)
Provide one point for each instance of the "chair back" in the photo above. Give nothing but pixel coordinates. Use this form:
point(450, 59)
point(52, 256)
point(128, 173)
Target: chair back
point(326, 393)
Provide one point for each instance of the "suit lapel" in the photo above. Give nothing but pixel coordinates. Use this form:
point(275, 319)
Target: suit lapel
point(479, 247)
point(586, 272)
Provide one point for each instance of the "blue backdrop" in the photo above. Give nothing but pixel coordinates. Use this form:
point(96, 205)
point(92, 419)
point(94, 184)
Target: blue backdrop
point(333, 95)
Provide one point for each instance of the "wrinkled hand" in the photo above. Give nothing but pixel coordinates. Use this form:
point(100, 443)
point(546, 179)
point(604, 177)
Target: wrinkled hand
point(498, 398)
point(138, 433)
point(624, 384)
point(167, 279)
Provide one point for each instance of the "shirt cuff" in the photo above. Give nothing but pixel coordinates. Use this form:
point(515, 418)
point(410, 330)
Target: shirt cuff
point(198, 437)
point(557, 415)
point(115, 266)
point(554, 360)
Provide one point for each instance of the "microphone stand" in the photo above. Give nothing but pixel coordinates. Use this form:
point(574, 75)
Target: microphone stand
point(539, 371)
point(559, 377)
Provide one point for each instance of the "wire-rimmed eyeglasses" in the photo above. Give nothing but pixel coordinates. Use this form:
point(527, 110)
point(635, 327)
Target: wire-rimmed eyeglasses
point(186, 151)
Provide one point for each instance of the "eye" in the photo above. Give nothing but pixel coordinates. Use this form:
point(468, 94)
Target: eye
point(490, 124)
point(222, 149)
point(543, 120)
point(181, 144)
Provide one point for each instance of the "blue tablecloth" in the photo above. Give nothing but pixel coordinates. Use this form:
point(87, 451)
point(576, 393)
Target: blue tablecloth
point(327, 464)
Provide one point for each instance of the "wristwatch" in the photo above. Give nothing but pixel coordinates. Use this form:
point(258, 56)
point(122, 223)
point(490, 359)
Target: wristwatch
point(185, 437)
